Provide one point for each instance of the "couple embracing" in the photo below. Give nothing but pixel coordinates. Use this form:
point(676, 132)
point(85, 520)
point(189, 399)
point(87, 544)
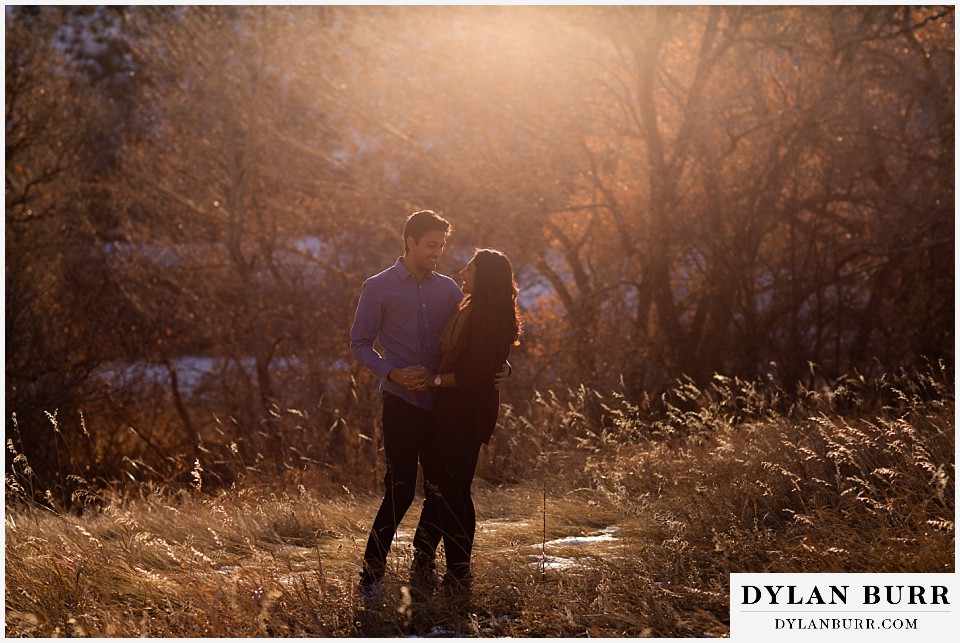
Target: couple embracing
point(443, 353)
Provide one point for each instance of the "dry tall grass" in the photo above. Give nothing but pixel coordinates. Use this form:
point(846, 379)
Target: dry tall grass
point(735, 477)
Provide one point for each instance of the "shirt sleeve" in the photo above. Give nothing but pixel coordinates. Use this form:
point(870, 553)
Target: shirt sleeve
point(366, 328)
point(483, 353)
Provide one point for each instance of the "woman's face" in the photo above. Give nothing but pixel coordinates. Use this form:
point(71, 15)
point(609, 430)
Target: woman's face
point(467, 276)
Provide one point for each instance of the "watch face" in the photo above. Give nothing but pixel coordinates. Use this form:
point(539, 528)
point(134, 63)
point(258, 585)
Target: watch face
point(437, 380)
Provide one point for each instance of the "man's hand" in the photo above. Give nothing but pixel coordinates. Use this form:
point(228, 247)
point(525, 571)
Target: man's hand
point(503, 376)
point(412, 378)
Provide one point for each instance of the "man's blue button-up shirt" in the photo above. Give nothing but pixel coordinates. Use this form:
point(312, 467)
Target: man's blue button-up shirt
point(405, 317)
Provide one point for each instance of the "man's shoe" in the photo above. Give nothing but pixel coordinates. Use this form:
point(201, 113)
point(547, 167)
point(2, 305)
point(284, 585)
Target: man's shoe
point(368, 591)
point(423, 575)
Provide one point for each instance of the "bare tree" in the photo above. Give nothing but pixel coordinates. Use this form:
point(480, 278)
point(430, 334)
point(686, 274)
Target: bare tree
point(53, 342)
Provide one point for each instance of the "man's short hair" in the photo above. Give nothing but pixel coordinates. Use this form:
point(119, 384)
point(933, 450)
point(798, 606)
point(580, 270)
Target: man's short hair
point(421, 222)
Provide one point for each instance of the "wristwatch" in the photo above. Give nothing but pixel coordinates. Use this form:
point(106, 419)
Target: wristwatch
point(437, 380)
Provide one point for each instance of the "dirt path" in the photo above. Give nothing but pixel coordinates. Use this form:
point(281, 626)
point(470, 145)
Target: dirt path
point(569, 569)
point(253, 564)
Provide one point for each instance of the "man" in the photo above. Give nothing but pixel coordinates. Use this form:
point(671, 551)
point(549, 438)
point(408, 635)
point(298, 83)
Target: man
point(404, 309)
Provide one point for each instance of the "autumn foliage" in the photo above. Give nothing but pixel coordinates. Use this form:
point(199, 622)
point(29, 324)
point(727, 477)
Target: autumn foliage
point(195, 194)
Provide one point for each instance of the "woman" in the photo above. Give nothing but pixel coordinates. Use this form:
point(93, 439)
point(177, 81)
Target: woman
point(475, 344)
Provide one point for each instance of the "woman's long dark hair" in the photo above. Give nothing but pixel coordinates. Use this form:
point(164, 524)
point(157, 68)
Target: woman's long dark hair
point(495, 290)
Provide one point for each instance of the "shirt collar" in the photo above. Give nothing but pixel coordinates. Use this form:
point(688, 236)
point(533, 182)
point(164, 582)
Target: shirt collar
point(404, 273)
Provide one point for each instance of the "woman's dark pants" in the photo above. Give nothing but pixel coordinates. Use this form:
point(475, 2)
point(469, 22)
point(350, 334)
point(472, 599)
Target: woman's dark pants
point(455, 455)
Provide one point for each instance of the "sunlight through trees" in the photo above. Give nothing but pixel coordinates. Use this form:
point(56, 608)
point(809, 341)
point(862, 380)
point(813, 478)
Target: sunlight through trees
point(195, 194)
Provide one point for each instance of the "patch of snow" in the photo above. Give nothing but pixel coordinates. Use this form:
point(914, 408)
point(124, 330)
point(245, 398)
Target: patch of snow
point(561, 563)
point(555, 563)
point(605, 535)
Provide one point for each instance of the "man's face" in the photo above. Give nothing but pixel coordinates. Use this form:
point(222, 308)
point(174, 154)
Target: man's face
point(425, 254)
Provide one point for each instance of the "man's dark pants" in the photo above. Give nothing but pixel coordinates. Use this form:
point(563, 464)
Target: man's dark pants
point(407, 441)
